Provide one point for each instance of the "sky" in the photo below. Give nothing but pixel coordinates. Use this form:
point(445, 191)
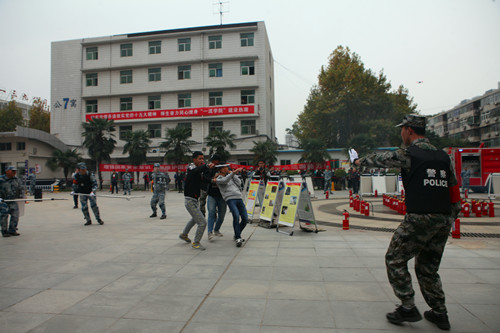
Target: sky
point(451, 46)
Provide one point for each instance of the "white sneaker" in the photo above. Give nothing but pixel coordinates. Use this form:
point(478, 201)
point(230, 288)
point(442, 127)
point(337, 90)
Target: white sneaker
point(239, 242)
point(210, 236)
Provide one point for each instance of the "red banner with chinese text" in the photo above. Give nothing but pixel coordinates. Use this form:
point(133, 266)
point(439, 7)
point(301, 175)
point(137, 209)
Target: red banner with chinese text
point(156, 114)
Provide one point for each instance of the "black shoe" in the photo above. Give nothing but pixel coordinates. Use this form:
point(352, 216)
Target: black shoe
point(15, 233)
point(75, 207)
point(401, 315)
point(88, 223)
point(101, 222)
point(5, 234)
point(440, 319)
point(164, 216)
point(154, 215)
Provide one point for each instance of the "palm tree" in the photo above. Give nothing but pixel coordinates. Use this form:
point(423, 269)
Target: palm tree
point(314, 151)
point(137, 146)
point(98, 134)
point(177, 144)
point(266, 151)
point(64, 159)
point(218, 140)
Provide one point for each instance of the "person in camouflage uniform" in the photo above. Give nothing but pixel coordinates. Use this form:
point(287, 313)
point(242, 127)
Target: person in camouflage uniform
point(10, 188)
point(85, 185)
point(423, 233)
point(32, 179)
point(127, 186)
point(160, 182)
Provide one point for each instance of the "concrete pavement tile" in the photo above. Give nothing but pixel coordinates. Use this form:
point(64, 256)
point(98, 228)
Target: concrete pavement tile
point(165, 307)
point(86, 282)
point(347, 274)
point(111, 268)
point(220, 328)
point(474, 293)
point(239, 272)
point(102, 256)
point(241, 288)
point(200, 272)
point(484, 263)
point(159, 270)
point(254, 261)
point(77, 324)
point(338, 244)
point(299, 313)
point(185, 286)
point(292, 273)
point(134, 284)
point(11, 296)
point(172, 259)
point(296, 261)
point(296, 252)
point(13, 322)
point(339, 262)
point(224, 310)
point(333, 252)
point(105, 304)
point(486, 275)
point(461, 275)
point(50, 301)
point(296, 243)
point(40, 281)
point(367, 244)
point(133, 257)
point(262, 243)
point(487, 314)
point(304, 290)
point(258, 251)
point(356, 291)
point(73, 266)
point(378, 252)
point(150, 326)
point(289, 329)
point(207, 258)
point(371, 261)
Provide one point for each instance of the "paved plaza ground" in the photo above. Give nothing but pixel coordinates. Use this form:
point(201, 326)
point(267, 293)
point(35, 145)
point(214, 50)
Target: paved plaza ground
point(133, 274)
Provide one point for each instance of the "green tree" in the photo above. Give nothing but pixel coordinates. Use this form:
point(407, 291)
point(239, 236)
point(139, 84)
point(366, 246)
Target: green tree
point(361, 143)
point(137, 146)
point(39, 116)
point(443, 142)
point(314, 151)
point(266, 151)
point(98, 134)
point(67, 160)
point(218, 141)
point(177, 145)
point(11, 116)
point(349, 100)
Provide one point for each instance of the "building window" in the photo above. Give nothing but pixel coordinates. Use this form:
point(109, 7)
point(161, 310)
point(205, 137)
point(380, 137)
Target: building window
point(154, 130)
point(92, 53)
point(215, 126)
point(247, 68)
point(214, 42)
point(20, 145)
point(248, 127)
point(155, 47)
point(215, 98)
point(184, 44)
point(91, 79)
point(285, 162)
point(91, 106)
point(184, 72)
point(154, 102)
point(126, 50)
point(247, 96)
point(124, 131)
point(246, 39)
point(154, 74)
point(125, 77)
point(215, 70)
point(5, 146)
point(186, 125)
point(184, 100)
point(125, 103)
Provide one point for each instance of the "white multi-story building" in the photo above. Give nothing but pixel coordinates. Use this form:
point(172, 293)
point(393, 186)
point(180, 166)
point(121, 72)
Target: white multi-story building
point(203, 78)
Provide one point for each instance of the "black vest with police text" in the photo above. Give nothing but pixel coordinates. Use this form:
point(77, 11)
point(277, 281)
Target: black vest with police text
point(84, 183)
point(426, 184)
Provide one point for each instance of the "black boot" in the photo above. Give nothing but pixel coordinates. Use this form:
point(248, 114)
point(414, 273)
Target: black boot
point(440, 319)
point(154, 214)
point(401, 315)
point(89, 222)
point(101, 222)
point(164, 216)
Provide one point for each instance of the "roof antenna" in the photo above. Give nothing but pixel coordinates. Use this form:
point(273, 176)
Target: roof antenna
point(219, 8)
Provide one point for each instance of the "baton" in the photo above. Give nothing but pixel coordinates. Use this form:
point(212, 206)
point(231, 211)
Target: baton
point(109, 196)
point(14, 200)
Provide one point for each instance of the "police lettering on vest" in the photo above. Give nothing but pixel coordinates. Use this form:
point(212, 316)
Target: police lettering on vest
point(426, 184)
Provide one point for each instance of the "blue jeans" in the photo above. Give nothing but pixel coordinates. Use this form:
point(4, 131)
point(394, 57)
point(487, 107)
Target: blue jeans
point(216, 208)
point(238, 209)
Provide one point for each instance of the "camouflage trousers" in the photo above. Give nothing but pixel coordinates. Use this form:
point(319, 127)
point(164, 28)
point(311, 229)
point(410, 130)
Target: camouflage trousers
point(7, 209)
point(203, 201)
point(193, 207)
point(423, 237)
point(127, 187)
point(158, 198)
point(85, 207)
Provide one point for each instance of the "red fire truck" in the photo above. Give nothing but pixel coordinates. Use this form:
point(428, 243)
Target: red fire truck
point(480, 161)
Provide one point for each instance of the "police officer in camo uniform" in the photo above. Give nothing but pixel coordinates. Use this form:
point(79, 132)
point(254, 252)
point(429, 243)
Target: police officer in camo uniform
point(433, 202)
point(127, 186)
point(86, 185)
point(32, 179)
point(10, 189)
point(160, 182)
